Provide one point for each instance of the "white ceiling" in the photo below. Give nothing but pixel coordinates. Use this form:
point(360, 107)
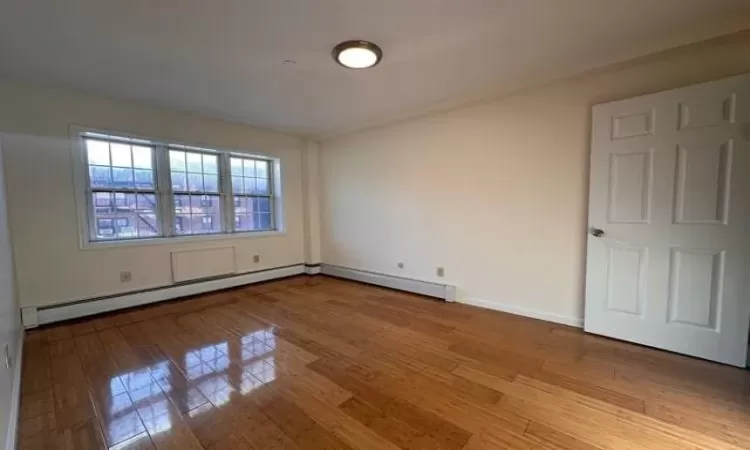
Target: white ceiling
point(225, 58)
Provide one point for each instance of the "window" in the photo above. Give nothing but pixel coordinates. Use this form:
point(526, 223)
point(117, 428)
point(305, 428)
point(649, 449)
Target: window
point(122, 186)
point(139, 189)
point(251, 186)
point(195, 186)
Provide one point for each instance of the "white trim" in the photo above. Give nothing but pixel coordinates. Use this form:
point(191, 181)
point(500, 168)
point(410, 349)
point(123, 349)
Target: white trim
point(312, 270)
point(95, 245)
point(97, 306)
point(526, 312)
point(29, 317)
point(441, 291)
point(15, 397)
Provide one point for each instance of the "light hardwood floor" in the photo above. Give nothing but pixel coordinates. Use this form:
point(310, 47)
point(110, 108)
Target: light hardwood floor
point(319, 363)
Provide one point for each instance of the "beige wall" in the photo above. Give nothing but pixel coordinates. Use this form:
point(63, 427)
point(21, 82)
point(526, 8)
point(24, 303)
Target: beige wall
point(496, 192)
point(50, 265)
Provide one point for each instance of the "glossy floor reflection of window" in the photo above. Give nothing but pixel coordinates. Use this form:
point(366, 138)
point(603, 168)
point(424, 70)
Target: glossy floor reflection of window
point(258, 344)
point(156, 415)
point(261, 372)
point(143, 397)
point(136, 399)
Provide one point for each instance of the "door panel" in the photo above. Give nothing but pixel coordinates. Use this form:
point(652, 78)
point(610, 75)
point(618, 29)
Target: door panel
point(702, 184)
point(630, 187)
point(694, 287)
point(669, 188)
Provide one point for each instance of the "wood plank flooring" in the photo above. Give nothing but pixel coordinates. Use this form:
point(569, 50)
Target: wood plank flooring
point(320, 363)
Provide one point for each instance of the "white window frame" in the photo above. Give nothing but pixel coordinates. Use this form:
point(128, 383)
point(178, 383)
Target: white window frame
point(164, 194)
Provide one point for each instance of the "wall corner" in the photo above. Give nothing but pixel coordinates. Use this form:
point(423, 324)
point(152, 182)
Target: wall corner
point(311, 201)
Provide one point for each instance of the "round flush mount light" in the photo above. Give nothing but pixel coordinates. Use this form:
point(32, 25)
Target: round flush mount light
point(357, 54)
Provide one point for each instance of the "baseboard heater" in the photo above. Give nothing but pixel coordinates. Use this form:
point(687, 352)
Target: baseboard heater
point(34, 316)
point(442, 291)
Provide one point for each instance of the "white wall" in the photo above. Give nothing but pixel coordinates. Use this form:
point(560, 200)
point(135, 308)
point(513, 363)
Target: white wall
point(50, 266)
point(496, 192)
point(10, 320)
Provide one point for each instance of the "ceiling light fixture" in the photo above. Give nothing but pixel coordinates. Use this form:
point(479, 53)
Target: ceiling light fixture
point(357, 54)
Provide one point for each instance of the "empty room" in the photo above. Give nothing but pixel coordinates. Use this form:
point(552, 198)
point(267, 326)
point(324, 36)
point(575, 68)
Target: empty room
point(350, 224)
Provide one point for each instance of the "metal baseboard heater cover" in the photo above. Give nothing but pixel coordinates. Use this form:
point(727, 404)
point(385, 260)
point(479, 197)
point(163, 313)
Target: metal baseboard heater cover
point(33, 316)
point(442, 291)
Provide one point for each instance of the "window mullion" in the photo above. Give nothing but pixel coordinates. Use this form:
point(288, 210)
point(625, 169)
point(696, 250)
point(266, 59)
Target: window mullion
point(226, 194)
point(164, 190)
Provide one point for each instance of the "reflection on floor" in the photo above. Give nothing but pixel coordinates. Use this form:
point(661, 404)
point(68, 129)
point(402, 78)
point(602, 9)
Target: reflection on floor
point(144, 394)
point(313, 363)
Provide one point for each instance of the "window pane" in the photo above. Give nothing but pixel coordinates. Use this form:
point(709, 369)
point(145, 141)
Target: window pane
point(124, 201)
point(261, 186)
point(240, 205)
point(249, 185)
point(177, 161)
point(103, 200)
point(194, 162)
point(104, 228)
point(121, 155)
point(125, 227)
point(142, 157)
point(210, 164)
point(179, 181)
point(204, 204)
point(210, 224)
point(195, 182)
point(237, 185)
point(182, 205)
point(148, 226)
point(182, 224)
point(122, 177)
point(211, 183)
point(98, 152)
point(236, 164)
point(100, 176)
point(146, 203)
point(118, 199)
point(263, 221)
point(261, 169)
point(124, 215)
point(143, 179)
point(262, 205)
point(197, 214)
point(249, 168)
point(243, 222)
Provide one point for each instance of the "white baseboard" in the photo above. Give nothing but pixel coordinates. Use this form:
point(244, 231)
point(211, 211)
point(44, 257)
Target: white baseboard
point(527, 312)
point(96, 306)
point(312, 269)
point(441, 291)
point(15, 397)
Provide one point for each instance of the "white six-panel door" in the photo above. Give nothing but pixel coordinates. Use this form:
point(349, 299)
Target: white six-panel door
point(669, 213)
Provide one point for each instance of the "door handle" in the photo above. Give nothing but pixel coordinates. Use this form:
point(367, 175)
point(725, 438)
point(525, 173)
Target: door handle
point(597, 233)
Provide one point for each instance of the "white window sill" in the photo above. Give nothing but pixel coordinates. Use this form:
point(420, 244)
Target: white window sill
point(94, 245)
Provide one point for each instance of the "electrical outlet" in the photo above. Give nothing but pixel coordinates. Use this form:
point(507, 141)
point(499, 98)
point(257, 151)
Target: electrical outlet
point(126, 277)
point(8, 360)
point(400, 265)
point(440, 272)
point(256, 258)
